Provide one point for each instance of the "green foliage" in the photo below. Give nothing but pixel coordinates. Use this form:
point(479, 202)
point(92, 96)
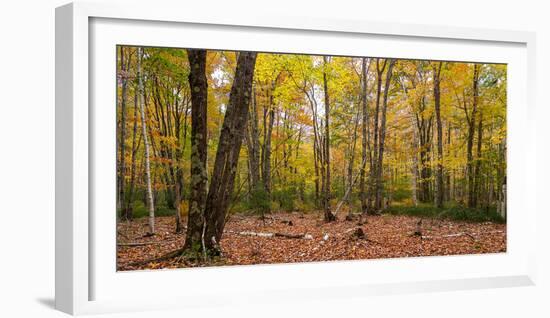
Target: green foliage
point(453, 212)
point(291, 86)
point(286, 198)
point(259, 200)
point(401, 190)
point(140, 210)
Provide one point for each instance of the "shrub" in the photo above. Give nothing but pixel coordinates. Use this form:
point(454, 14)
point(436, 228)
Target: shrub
point(450, 212)
point(140, 210)
point(286, 198)
point(259, 200)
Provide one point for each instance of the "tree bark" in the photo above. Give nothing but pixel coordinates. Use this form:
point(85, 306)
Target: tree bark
point(364, 133)
point(253, 144)
point(437, 101)
point(229, 146)
point(122, 141)
point(373, 185)
point(472, 200)
point(326, 199)
point(380, 170)
point(477, 177)
point(135, 145)
point(266, 173)
point(199, 175)
point(141, 102)
point(349, 187)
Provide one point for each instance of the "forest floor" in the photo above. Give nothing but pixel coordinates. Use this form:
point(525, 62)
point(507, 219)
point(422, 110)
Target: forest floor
point(297, 237)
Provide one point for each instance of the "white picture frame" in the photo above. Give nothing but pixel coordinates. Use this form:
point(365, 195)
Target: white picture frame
point(87, 281)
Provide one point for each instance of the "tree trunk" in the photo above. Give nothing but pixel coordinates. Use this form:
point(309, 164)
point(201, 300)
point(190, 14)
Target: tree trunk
point(135, 144)
point(141, 102)
point(477, 178)
point(178, 154)
point(380, 170)
point(178, 191)
point(374, 164)
point(326, 199)
point(122, 141)
point(317, 155)
point(199, 175)
point(472, 202)
point(364, 133)
point(266, 173)
point(349, 187)
point(437, 101)
point(253, 144)
point(229, 146)
point(414, 148)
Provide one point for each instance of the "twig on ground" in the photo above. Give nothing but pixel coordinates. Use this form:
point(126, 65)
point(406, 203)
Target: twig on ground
point(471, 235)
point(133, 244)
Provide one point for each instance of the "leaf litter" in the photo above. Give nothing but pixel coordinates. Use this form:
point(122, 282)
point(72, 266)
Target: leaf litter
point(307, 238)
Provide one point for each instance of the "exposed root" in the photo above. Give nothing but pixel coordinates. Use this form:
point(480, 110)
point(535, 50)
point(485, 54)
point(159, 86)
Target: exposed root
point(164, 257)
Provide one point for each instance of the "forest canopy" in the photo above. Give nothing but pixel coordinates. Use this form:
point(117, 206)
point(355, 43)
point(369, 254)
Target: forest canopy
point(204, 134)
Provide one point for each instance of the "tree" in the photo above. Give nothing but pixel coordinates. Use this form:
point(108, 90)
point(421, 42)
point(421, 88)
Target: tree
point(414, 142)
point(229, 146)
point(437, 102)
point(379, 164)
point(329, 217)
point(437, 136)
point(253, 145)
point(122, 129)
point(364, 132)
point(141, 102)
point(135, 147)
point(471, 120)
point(199, 175)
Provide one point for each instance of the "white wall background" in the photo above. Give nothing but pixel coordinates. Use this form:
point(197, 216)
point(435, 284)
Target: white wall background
point(27, 158)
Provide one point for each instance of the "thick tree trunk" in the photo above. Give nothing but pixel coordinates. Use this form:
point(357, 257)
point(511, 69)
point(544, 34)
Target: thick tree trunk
point(229, 146)
point(326, 199)
point(141, 102)
point(199, 175)
point(437, 101)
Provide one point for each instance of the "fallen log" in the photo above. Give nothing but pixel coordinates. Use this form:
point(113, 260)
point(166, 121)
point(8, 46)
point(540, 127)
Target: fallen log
point(471, 235)
point(276, 234)
point(428, 237)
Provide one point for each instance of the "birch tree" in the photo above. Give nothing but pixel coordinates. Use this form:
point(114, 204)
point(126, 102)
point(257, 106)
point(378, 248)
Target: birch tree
point(141, 102)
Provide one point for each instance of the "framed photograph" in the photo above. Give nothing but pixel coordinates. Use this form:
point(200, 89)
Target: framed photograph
point(255, 158)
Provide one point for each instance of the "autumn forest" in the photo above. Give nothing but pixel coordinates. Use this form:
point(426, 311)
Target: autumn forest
point(239, 158)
